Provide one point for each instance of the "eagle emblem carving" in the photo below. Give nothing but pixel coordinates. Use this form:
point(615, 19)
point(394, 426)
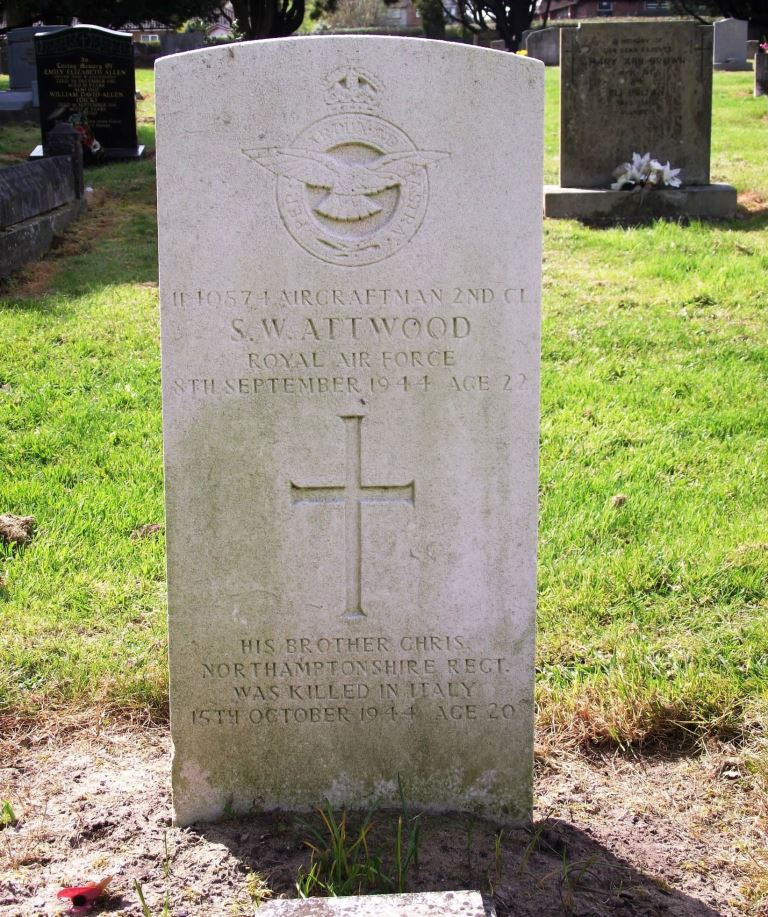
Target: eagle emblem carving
point(350, 186)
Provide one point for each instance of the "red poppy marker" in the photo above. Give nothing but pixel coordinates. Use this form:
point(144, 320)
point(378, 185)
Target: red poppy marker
point(83, 898)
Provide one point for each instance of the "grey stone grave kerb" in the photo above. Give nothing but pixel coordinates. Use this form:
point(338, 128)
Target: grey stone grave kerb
point(64, 140)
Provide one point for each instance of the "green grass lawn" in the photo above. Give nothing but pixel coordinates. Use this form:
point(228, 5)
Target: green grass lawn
point(654, 465)
point(16, 140)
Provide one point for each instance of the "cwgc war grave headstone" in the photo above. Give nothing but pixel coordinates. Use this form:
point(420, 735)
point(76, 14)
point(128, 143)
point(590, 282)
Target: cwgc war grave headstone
point(350, 333)
point(544, 45)
point(636, 88)
point(22, 93)
point(86, 78)
point(730, 45)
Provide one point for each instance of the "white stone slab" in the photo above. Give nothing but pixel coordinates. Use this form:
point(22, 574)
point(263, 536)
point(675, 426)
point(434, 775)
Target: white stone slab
point(350, 270)
point(730, 44)
point(420, 904)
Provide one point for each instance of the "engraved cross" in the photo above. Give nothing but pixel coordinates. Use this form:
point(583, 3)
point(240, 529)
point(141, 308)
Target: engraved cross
point(353, 494)
point(703, 44)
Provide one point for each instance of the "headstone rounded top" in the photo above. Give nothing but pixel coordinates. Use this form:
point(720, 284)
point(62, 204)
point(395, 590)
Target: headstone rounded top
point(323, 44)
point(82, 28)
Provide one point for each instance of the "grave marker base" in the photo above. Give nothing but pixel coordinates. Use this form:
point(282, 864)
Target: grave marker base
point(113, 155)
point(701, 202)
point(419, 904)
point(732, 65)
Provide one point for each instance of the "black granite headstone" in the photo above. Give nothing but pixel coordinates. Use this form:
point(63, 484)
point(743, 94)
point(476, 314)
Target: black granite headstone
point(85, 77)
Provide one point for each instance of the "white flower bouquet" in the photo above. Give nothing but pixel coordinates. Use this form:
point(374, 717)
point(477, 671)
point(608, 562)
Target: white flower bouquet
point(644, 172)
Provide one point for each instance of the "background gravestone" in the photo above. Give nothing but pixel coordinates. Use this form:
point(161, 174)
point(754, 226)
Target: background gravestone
point(350, 300)
point(20, 100)
point(641, 88)
point(544, 45)
point(86, 78)
point(634, 87)
point(22, 66)
point(730, 44)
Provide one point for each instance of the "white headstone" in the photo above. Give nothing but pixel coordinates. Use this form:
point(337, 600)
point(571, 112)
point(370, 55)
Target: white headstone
point(730, 45)
point(350, 269)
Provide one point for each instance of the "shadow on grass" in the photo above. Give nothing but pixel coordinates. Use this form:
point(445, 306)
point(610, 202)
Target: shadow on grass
point(751, 220)
point(13, 301)
point(683, 222)
point(549, 867)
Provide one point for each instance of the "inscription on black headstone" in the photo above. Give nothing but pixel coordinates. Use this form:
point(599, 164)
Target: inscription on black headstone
point(86, 78)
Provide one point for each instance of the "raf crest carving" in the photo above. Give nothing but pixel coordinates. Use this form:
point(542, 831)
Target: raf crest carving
point(352, 188)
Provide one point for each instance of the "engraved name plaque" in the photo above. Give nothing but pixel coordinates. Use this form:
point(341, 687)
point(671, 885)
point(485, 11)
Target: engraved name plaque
point(350, 282)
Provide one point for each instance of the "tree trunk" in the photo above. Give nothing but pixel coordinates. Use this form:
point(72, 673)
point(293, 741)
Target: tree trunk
point(268, 18)
point(432, 18)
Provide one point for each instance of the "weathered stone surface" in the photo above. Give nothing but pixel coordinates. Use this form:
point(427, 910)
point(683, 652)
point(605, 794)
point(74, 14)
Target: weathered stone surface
point(761, 73)
point(707, 202)
point(544, 45)
point(30, 240)
point(421, 904)
point(64, 140)
point(730, 44)
point(635, 87)
point(350, 296)
point(21, 55)
point(32, 188)
point(17, 108)
point(752, 49)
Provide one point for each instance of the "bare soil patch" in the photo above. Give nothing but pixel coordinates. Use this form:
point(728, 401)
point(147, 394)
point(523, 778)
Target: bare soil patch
point(16, 529)
point(612, 835)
